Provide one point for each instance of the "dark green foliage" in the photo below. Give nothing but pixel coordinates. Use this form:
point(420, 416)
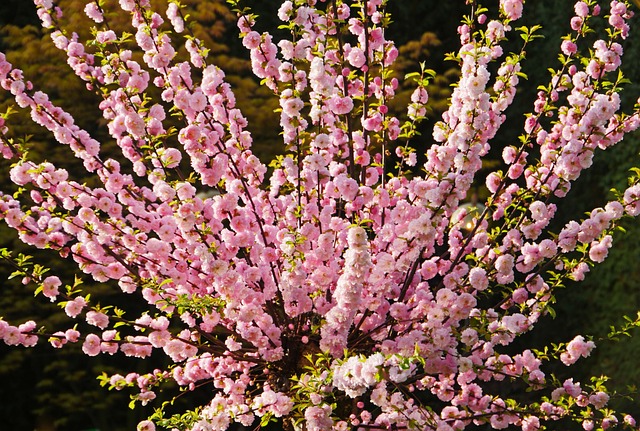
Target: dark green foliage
point(17, 12)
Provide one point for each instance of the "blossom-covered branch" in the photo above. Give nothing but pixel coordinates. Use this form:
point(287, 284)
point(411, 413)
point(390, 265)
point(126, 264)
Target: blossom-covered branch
point(326, 289)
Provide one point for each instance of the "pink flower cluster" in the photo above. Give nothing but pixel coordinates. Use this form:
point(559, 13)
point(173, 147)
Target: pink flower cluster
point(326, 292)
point(577, 348)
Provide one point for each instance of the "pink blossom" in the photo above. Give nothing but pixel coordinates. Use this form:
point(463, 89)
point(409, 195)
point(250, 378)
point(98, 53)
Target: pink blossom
point(106, 36)
point(135, 125)
point(600, 249)
point(512, 8)
point(531, 423)
point(72, 335)
point(340, 105)
point(577, 348)
point(171, 157)
point(599, 399)
point(285, 9)
point(568, 47)
point(92, 11)
point(251, 40)
point(504, 264)
point(146, 426)
point(98, 319)
point(127, 5)
point(478, 279)
point(12, 335)
point(74, 307)
point(318, 418)
point(581, 9)
point(632, 200)
point(50, 287)
point(91, 345)
point(356, 57)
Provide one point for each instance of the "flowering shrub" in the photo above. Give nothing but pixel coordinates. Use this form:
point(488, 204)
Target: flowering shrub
point(340, 286)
